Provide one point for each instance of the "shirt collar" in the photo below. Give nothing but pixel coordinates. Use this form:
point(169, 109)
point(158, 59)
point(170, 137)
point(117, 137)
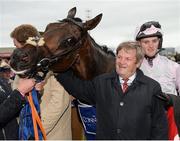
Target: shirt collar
point(131, 79)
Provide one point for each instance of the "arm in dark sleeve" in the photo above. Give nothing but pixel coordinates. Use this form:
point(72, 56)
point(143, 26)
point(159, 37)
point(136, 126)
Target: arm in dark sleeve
point(11, 106)
point(80, 89)
point(159, 118)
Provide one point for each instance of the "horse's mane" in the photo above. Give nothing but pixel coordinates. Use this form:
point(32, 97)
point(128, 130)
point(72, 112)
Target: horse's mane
point(104, 48)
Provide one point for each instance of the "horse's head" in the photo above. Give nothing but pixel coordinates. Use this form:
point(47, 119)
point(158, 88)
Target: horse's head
point(63, 40)
point(66, 38)
point(24, 60)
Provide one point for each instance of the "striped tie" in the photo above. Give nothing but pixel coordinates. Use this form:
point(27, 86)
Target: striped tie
point(125, 85)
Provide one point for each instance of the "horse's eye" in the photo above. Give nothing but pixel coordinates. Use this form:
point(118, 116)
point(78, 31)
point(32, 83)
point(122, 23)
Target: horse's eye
point(71, 41)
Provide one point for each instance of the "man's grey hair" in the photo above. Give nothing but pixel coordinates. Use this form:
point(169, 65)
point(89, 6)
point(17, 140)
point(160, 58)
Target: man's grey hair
point(132, 45)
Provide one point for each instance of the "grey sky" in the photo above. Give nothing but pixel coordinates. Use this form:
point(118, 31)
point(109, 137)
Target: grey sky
point(120, 17)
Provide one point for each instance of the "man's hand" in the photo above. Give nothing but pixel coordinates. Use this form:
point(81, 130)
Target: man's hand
point(39, 86)
point(25, 85)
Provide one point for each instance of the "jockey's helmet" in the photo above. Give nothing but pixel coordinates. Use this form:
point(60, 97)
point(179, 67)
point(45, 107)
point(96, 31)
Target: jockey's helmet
point(149, 29)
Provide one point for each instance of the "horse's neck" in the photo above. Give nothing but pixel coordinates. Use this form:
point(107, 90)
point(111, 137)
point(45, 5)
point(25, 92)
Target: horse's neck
point(95, 62)
point(103, 62)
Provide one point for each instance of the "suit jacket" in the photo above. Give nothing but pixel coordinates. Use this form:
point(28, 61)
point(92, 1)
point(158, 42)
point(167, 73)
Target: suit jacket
point(137, 114)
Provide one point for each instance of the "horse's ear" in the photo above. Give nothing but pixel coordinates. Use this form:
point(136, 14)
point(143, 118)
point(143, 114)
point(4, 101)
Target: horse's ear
point(71, 13)
point(89, 25)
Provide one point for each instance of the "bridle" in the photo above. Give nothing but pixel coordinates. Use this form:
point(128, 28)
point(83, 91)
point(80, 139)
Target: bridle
point(45, 63)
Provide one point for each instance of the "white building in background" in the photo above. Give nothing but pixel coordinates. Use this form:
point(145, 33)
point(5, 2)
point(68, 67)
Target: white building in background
point(168, 51)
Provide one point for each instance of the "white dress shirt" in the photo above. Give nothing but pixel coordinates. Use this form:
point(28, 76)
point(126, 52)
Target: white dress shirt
point(130, 80)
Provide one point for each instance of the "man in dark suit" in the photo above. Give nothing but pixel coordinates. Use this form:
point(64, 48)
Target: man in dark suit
point(125, 99)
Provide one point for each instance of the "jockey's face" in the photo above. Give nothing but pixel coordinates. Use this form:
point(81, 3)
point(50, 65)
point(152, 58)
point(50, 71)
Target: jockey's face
point(16, 43)
point(150, 45)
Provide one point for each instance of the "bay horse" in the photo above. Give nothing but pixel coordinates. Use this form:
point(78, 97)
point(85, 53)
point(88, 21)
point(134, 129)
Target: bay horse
point(68, 45)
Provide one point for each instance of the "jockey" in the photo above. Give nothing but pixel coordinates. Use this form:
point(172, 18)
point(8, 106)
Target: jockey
point(150, 37)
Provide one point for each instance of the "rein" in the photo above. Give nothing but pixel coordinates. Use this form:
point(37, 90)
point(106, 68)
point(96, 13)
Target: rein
point(36, 119)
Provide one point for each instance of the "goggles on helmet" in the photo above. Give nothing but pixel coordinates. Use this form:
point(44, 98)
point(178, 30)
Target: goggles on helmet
point(149, 29)
point(149, 24)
